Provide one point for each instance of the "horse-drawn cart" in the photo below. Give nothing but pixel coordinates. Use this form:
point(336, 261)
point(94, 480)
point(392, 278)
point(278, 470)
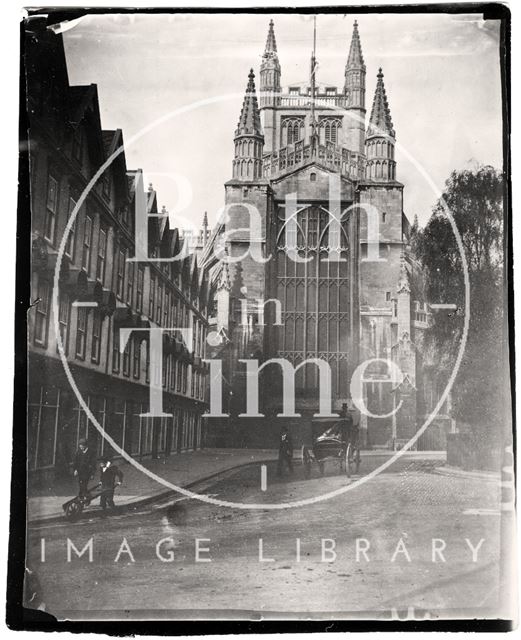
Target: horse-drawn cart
point(333, 440)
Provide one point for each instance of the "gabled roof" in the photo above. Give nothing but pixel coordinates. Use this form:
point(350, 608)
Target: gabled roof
point(194, 272)
point(151, 197)
point(164, 223)
point(186, 268)
point(80, 98)
point(154, 226)
point(313, 162)
point(84, 107)
point(112, 142)
point(404, 384)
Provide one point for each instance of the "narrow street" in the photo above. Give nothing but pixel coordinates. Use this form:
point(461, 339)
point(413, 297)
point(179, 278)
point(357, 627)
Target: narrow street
point(310, 561)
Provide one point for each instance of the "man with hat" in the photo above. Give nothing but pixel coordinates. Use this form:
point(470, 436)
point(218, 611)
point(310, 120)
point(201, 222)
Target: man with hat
point(110, 478)
point(84, 466)
point(285, 451)
point(354, 413)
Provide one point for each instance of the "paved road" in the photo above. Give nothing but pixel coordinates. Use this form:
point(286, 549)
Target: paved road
point(395, 517)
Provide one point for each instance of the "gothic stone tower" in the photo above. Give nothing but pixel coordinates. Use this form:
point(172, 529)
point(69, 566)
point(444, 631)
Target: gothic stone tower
point(315, 176)
point(381, 306)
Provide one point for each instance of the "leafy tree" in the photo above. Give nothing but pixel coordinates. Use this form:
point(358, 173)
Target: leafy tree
point(475, 201)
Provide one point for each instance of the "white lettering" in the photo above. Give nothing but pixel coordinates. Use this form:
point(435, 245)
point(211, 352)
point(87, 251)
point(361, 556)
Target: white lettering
point(362, 550)
point(199, 550)
point(328, 546)
point(169, 557)
point(475, 549)
point(71, 547)
point(124, 548)
point(261, 553)
point(357, 385)
point(438, 545)
point(401, 548)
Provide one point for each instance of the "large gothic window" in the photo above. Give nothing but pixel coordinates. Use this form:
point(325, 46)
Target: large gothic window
point(292, 130)
point(315, 296)
point(329, 129)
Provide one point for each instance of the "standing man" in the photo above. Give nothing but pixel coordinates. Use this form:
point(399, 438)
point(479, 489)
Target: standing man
point(345, 424)
point(110, 478)
point(285, 451)
point(354, 414)
point(84, 466)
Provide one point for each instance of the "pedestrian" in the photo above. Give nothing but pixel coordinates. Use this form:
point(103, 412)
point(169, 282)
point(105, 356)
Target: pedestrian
point(285, 451)
point(345, 424)
point(354, 415)
point(84, 466)
point(110, 478)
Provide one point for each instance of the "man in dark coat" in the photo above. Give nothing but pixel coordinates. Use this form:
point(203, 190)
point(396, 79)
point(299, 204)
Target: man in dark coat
point(285, 451)
point(110, 478)
point(84, 466)
point(354, 414)
point(345, 424)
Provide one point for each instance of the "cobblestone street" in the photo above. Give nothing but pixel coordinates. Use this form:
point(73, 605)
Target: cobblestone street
point(406, 539)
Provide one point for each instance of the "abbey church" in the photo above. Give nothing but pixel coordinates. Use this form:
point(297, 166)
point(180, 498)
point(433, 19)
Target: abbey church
point(336, 282)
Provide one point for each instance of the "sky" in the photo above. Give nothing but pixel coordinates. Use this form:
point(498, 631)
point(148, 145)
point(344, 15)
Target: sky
point(441, 73)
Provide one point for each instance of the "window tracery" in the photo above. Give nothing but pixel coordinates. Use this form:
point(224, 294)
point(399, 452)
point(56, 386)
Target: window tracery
point(315, 298)
point(292, 130)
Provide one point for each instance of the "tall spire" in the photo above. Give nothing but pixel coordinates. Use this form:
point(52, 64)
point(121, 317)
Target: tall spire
point(270, 72)
point(249, 141)
point(380, 122)
point(380, 138)
point(249, 121)
point(355, 57)
point(354, 90)
point(205, 227)
point(271, 44)
point(313, 122)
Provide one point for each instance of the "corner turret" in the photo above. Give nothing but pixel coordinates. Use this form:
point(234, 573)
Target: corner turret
point(380, 137)
point(249, 140)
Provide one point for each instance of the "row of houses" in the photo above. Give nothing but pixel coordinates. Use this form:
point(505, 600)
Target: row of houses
point(100, 288)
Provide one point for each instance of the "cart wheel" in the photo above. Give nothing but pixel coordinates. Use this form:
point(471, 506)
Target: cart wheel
point(321, 466)
point(358, 460)
point(348, 460)
point(73, 509)
point(306, 461)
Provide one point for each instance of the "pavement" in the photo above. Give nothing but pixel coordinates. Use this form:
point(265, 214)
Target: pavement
point(184, 470)
point(447, 470)
point(190, 468)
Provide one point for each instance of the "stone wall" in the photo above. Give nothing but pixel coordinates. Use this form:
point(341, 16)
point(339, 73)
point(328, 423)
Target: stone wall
point(466, 452)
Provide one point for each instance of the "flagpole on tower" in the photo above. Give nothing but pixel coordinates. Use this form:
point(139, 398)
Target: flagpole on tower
point(313, 69)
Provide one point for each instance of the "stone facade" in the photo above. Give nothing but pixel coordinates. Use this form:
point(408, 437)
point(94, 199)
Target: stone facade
point(313, 141)
point(67, 146)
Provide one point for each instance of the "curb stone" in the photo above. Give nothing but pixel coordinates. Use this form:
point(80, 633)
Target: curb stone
point(491, 476)
point(163, 495)
point(145, 500)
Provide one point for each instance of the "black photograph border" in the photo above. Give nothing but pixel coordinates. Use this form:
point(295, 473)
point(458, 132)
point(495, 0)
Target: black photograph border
point(21, 618)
